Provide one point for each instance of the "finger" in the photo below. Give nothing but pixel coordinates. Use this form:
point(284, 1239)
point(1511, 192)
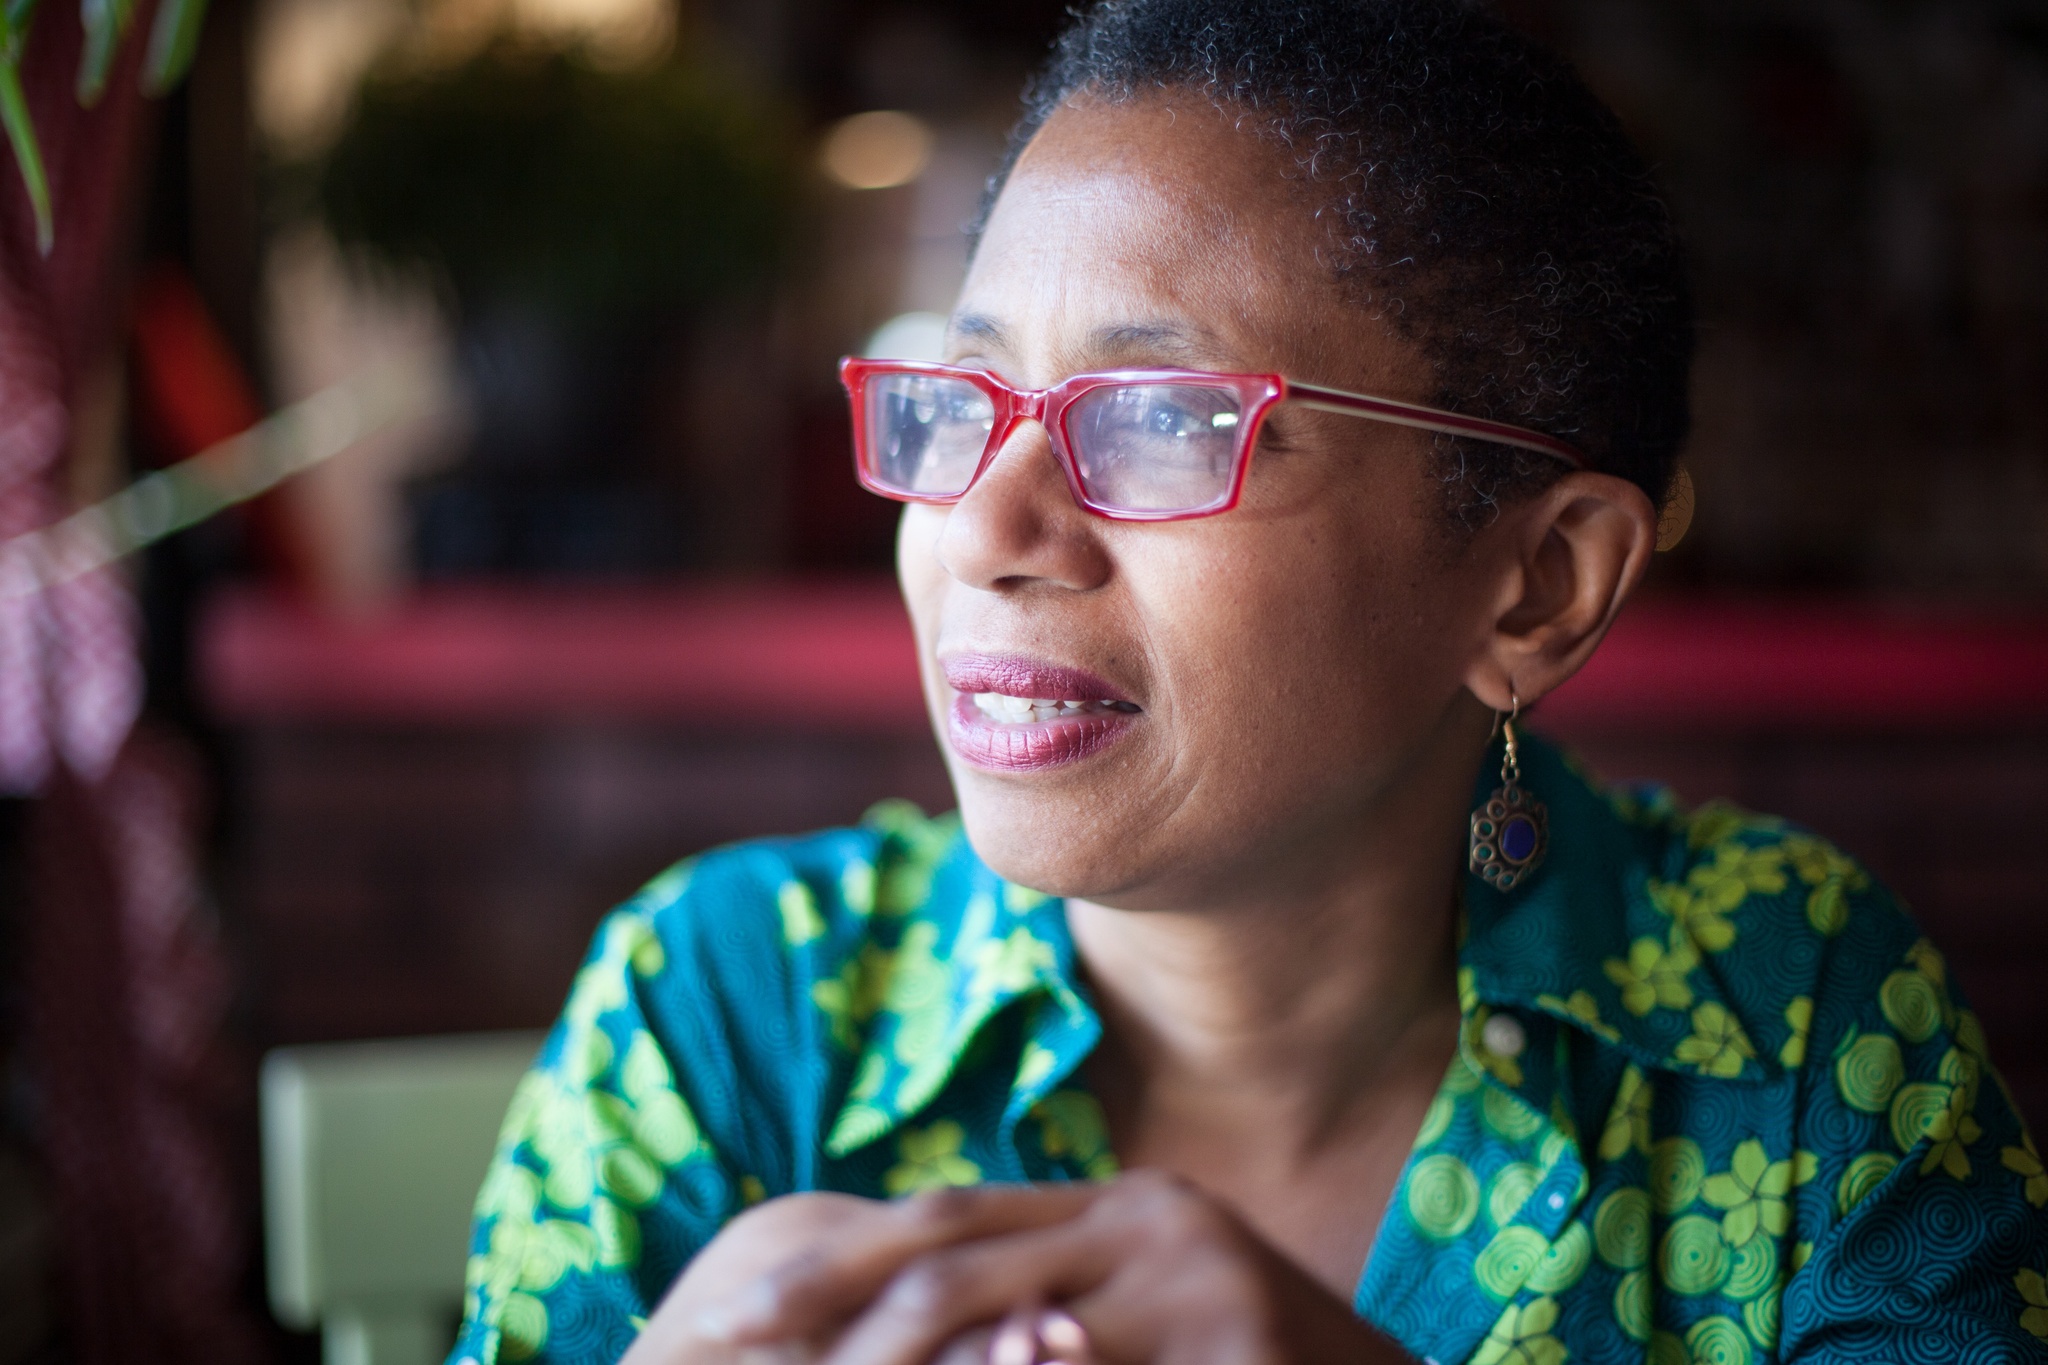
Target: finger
point(1064, 1339)
point(944, 1291)
point(1016, 1338)
point(816, 1290)
point(969, 1348)
point(748, 1247)
point(783, 1353)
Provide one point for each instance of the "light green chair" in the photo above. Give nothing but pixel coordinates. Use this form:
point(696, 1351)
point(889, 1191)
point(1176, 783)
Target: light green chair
point(372, 1155)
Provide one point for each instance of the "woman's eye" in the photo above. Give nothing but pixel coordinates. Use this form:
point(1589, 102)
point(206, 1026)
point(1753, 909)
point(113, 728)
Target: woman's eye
point(1166, 417)
point(1168, 420)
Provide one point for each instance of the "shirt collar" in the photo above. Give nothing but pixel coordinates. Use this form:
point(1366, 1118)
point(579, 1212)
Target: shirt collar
point(1606, 935)
point(975, 947)
point(1601, 928)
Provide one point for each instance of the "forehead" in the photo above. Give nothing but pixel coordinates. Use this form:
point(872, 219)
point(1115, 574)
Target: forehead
point(1134, 221)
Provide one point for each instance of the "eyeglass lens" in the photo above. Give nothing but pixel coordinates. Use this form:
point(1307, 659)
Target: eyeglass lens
point(1154, 447)
point(926, 433)
point(1149, 448)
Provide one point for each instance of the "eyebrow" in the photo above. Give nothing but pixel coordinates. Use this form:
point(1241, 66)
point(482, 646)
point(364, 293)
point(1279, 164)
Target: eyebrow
point(980, 327)
point(1182, 341)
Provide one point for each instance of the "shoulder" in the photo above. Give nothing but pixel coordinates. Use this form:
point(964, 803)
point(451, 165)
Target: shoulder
point(712, 982)
point(1823, 1102)
point(731, 940)
point(1798, 934)
point(730, 965)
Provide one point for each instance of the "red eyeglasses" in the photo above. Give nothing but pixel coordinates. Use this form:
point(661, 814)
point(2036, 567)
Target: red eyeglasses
point(1136, 445)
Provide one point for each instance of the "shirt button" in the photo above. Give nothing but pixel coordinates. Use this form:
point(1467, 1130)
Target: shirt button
point(1503, 1035)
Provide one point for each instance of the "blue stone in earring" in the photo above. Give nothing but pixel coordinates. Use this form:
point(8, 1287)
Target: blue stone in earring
point(1510, 831)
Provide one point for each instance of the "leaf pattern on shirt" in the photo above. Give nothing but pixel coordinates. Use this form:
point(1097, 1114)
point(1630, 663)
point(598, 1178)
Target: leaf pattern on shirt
point(1670, 1002)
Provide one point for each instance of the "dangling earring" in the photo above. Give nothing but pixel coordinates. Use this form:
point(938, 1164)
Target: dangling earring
point(1511, 830)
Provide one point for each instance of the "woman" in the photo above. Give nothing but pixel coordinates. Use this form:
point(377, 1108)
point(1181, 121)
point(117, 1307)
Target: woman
point(1410, 1041)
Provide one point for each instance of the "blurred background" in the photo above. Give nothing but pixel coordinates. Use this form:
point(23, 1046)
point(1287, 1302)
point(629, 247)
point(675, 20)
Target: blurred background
point(444, 699)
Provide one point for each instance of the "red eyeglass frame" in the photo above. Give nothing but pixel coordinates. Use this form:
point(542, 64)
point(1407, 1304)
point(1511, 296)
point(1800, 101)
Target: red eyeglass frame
point(1258, 393)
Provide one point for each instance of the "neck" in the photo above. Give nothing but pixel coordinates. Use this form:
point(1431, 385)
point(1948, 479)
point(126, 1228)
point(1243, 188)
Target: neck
point(1291, 1012)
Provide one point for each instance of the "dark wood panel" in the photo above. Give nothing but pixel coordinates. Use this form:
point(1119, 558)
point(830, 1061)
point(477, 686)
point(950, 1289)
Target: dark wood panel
point(388, 880)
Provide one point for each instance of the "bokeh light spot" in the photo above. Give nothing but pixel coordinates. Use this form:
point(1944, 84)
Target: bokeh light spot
point(877, 150)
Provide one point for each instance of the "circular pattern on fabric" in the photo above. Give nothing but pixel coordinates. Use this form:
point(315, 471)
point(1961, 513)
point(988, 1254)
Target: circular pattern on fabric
point(587, 1327)
point(1435, 1121)
point(523, 1325)
point(1952, 1225)
point(662, 1124)
point(1970, 1034)
point(1827, 908)
point(1666, 1349)
point(1507, 1261)
point(618, 1234)
point(1507, 1115)
point(1915, 1109)
point(1677, 1168)
point(1835, 1128)
point(627, 1175)
point(1753, 1269)
point(1869, 1072)
point(546, 1251)
point(1621, 1229)
point(1443, 1196)
point(1521, 936)
point(1762, 1315)
point(1632, 1304)
point(706, 1189)
point(586, 1055)
point(1717, 1341)
point(1864, 1174)
point(1564, 1263)
point(1512, 1185)
point(1911, 1004)
point(1693, 1259)
point(571, 1179)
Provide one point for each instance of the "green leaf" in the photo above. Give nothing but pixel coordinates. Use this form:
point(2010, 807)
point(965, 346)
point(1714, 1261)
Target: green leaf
point(14, 20)
point(172, 41)
point(21, 135)
point(15, 16)
point(106, 23)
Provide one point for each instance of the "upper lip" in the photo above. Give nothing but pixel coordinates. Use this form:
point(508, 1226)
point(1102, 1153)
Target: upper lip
point(1013, 675)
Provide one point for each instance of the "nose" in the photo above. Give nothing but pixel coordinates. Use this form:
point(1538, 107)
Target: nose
point(1019, 524)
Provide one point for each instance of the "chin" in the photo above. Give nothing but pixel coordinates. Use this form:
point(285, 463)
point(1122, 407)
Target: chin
point(1047, 842)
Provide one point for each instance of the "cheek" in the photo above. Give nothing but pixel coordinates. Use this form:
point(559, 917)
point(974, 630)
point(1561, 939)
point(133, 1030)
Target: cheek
point(1304, 664)
point(917, 565)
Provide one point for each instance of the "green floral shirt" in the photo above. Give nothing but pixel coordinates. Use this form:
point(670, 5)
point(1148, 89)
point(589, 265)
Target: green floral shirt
point(1715, 1099)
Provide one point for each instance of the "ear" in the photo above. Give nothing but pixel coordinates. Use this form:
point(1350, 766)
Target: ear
point(1563, 563)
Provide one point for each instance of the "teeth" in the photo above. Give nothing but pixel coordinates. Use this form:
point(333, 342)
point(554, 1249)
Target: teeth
point(1010, 710)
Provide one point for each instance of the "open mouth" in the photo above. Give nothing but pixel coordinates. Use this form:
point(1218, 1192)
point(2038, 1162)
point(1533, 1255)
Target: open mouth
point(1004, 709)
point(1014, 715)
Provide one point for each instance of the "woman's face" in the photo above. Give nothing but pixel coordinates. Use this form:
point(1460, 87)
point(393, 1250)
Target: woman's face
point(1280, 671)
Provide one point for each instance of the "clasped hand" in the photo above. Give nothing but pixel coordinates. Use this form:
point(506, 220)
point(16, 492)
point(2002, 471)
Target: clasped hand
point(1153, 1271)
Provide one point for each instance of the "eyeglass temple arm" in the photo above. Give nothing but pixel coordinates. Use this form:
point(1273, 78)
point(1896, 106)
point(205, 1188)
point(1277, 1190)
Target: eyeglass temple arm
point(1434, 419)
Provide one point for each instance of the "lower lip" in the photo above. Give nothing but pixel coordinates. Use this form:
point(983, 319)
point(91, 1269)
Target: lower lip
point(1036, 745)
